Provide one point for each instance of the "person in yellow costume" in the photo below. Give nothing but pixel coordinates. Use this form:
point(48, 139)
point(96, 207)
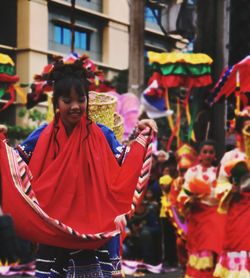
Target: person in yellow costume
point(169, 253)
point(186, 158)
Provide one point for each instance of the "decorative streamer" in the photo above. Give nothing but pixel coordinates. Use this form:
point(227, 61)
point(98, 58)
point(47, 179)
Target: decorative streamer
point(237, 91)
point(178, 123)
point(190, 120)
point(167, 103)
point(188, 115)
point(191, 134)
point(175, 130)
point(21, 93)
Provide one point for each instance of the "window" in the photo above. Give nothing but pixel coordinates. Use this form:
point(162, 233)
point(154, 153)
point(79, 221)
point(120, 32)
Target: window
point(81, 40)
point(149, 16)
point(62, 35)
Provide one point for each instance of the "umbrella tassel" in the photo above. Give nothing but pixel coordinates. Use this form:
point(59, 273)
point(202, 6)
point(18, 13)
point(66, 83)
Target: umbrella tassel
point(169, 117)
point(237, 90)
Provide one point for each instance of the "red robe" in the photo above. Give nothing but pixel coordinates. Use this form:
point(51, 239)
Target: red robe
point(80, 192)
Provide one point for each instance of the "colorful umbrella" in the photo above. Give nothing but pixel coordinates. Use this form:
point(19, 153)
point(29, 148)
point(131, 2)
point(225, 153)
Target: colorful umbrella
point(171, 70)
point(182, 69)
point(234, 79)
point(8, 80)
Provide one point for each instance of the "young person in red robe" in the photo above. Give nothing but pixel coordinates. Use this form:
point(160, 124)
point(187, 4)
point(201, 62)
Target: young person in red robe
point(80, 194)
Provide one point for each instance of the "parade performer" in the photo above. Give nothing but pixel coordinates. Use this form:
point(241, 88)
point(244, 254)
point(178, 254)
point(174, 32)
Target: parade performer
point(234, 187)
point(204, 225)
point(83, 182)
point(169, 254)
point(186, 158)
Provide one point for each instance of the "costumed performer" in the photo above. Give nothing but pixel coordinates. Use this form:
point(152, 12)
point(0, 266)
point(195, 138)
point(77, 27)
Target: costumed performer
point(169, 253)
point(205, 226)
point(234, 187)
point(83, 183)
point(186, 158)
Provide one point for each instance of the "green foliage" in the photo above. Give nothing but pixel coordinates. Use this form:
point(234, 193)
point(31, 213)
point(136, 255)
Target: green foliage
point(18, 132)
point(34, 114)
point(22, 112)
point(120, 82)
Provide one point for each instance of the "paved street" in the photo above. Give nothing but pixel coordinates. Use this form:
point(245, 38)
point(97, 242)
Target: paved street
point(174, 274)
point(171, 274)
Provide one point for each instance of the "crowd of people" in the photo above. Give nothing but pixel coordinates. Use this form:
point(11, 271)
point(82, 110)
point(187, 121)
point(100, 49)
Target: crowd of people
point(88, 200)
point(204, 208)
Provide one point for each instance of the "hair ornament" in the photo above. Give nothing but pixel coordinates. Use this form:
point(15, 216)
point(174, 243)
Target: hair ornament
point(71, 66)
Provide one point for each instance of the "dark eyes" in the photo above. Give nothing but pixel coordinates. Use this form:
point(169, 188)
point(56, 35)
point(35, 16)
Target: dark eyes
point(67, 100)
point(209, 152)
point(183, 170)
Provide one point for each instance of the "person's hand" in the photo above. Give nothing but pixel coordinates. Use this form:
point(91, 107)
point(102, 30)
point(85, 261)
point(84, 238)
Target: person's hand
point(193, 199)
point(3, 129)
point(147, 123)
point(235, 188)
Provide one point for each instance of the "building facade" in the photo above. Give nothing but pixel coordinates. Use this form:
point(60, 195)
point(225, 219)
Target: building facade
point(32, 31)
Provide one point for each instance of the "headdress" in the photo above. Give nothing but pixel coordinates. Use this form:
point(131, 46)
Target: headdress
point(186, 156)
point(165, 180)
point(163, 153)
point(71, 66)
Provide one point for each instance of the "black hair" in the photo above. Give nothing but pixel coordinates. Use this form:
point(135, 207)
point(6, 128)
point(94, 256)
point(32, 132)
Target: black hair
point(63, 87)
point(171, 160)
point(65, 77)
point(239, 124)
point(208, 142)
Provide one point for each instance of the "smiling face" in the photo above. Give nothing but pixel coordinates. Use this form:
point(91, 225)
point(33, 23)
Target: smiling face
point(207, 155)
point(70, 99)
point(71, 108)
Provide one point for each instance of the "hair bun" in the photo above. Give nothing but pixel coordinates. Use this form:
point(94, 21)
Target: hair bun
point(61, 70)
